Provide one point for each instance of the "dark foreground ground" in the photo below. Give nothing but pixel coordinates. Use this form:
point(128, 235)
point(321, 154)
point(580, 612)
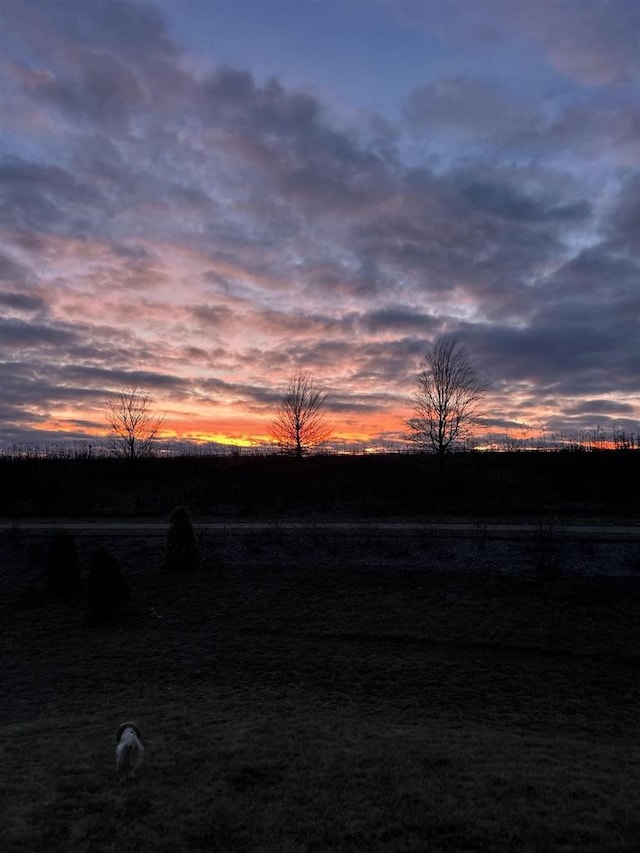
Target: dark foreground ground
point(297, 695)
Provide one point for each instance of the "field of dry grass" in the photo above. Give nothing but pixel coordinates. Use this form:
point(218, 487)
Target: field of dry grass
point(298, 698)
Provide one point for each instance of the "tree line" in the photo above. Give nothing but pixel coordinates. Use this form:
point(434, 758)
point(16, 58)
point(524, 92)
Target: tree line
point(445, 404)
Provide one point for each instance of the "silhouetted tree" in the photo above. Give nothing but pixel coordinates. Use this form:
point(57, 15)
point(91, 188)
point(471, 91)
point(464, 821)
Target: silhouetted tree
point(134, 427)
point(300, 422)
point(447, 398)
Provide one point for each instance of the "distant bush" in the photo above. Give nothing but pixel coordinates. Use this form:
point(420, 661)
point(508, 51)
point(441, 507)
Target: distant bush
point(544, 551)
point(107, 591)
point(62, 565)
point(182, 553)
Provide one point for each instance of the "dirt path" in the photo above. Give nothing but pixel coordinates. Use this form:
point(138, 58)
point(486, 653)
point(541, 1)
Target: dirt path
point(470, 530)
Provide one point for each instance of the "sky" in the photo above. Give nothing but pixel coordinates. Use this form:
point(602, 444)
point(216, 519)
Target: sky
point(203, 197)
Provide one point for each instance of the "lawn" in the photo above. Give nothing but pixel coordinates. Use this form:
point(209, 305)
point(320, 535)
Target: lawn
point(314, 704)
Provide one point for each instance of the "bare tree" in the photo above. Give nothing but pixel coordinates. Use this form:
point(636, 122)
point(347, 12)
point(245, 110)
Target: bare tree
point(134, 426)
point(447, 398)
point(300, 423)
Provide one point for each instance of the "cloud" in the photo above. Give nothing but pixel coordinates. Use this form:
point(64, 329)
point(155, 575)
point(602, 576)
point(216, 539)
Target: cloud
point(22, 302)
point(107, 93)
point(46, 198)
point(287, 143)
point(213, 316)
point(568, 359)
point(109, 378)
point(624, 229)
point(399, 319)
point(596, 42)
point(506, 202)
point(12, 272)
point(461, 105)
point(18, 333)
point(609, 408)
point(593, 41)
point(205, 232)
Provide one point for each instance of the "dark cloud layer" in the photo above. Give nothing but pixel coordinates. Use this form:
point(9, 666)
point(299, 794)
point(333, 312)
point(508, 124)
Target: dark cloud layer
point(180, 224)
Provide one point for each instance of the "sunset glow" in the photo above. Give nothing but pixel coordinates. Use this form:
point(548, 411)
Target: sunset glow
point(202, 198)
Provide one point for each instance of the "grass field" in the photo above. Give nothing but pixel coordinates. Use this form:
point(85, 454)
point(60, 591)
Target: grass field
point(308, 705)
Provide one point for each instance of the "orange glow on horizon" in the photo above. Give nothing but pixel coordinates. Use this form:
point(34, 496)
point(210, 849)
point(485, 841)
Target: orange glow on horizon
point(372, 431)
point(239, 430)
point(367, 440)
point(198, 437)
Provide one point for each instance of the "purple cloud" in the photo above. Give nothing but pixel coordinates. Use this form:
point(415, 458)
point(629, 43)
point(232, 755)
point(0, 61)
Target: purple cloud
point(208, 230)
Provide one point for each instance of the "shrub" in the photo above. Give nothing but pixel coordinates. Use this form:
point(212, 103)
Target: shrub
point(544, 551)
point(181, 545)
point(62, 565)
point(107, 591)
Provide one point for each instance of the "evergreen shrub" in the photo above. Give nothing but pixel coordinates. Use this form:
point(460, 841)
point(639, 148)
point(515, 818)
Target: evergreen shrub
point(182, 553)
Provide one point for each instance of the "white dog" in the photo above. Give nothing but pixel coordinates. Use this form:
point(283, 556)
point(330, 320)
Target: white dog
point(129, 751)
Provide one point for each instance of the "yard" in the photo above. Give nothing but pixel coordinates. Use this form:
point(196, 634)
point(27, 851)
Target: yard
point(300, 698)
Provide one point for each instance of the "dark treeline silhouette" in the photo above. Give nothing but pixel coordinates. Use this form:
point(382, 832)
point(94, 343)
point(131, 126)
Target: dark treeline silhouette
point(491, 485)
